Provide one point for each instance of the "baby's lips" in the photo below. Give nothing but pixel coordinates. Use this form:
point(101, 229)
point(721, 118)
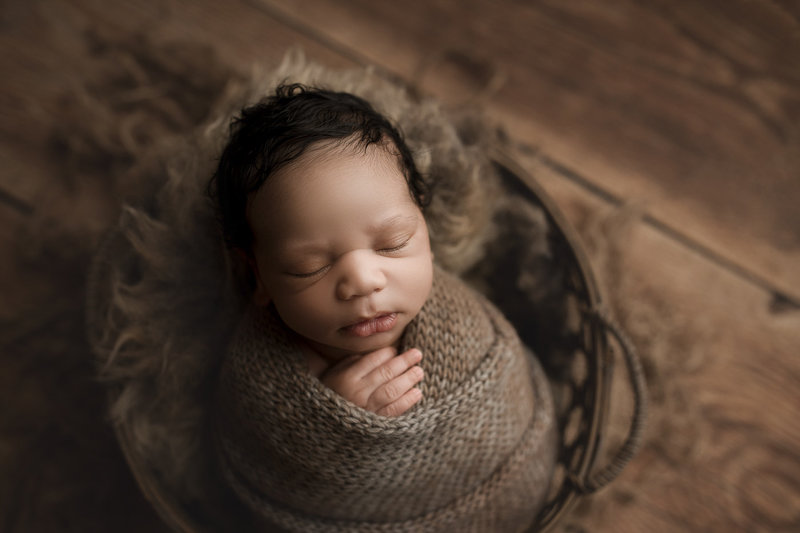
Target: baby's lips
point(371, 326)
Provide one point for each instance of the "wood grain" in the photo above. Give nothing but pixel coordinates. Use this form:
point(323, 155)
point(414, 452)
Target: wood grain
point(723, 451)
point(50, 47)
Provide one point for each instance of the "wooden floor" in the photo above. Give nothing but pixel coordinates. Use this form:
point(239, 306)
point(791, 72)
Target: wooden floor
point(687, 110)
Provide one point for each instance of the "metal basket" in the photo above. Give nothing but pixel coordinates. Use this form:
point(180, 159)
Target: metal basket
point(582, 418)
point(589, 344)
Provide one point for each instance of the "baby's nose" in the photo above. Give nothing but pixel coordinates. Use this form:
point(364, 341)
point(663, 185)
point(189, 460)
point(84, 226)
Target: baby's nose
point(361, 275)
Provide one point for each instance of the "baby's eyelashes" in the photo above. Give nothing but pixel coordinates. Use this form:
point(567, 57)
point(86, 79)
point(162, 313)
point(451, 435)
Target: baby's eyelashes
point(394, 249)
point(311, 274)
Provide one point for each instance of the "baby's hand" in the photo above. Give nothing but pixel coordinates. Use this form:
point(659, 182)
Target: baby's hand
point(380, 381)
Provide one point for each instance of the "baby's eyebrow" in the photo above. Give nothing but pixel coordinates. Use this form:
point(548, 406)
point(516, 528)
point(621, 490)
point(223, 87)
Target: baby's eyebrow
point(303, 249)
point(393, 222)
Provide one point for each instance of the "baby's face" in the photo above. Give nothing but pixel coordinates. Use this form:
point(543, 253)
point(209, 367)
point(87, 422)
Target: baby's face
point(341, 249)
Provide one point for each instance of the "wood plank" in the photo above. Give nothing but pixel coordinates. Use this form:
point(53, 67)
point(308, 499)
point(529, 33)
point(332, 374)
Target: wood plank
point(723, 446)
point(250, 37)
point(43, 75)
point(691, 108)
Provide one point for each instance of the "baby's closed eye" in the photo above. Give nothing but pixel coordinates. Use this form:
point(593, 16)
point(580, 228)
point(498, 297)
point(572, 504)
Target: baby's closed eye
point(394, 246)
point(309, 273)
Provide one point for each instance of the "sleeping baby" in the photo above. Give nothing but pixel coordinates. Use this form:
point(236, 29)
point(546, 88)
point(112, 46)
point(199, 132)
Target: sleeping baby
point(365, 389)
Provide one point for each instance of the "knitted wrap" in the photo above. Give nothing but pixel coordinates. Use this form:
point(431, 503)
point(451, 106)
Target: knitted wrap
point(475, 454)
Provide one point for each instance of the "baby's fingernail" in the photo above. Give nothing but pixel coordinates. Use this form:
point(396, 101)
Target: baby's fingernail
point(418, 372)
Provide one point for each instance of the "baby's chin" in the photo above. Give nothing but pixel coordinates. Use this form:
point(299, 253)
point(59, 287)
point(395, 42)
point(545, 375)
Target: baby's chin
point(359, 347)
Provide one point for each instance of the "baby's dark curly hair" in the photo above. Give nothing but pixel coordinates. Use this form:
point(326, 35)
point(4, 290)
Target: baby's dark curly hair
point(278, 130)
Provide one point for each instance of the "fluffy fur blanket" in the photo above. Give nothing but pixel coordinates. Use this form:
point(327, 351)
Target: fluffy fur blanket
point(476, 454)
point(162, 276)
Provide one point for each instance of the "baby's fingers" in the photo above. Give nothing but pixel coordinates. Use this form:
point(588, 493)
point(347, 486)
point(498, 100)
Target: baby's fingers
point(401, 405)
point(365, 365)
point(392, 368)
point(394, 390)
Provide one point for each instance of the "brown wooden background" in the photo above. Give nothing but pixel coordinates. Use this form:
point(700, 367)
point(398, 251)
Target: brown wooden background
point(690, 110)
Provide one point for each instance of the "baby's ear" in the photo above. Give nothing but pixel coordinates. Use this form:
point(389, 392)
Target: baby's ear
point(260, 295)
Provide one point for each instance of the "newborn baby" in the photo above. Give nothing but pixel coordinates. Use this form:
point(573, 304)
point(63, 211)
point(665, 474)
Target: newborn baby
point(365, 389)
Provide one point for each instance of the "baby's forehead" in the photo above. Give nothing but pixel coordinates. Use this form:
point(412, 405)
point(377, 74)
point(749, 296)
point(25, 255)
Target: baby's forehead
point(323, 161)
point(321, 179)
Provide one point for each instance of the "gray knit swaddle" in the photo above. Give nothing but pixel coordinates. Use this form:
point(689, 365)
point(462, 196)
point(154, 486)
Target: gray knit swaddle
point(476, 454)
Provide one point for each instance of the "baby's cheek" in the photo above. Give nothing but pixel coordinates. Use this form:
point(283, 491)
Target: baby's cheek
point(306, 314)
point(418, 278)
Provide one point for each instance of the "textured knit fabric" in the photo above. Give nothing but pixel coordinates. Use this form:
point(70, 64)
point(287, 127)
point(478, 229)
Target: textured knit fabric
point(475, 454)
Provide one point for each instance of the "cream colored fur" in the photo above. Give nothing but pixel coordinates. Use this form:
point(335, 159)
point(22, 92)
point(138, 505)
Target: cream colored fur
point(163, 296)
